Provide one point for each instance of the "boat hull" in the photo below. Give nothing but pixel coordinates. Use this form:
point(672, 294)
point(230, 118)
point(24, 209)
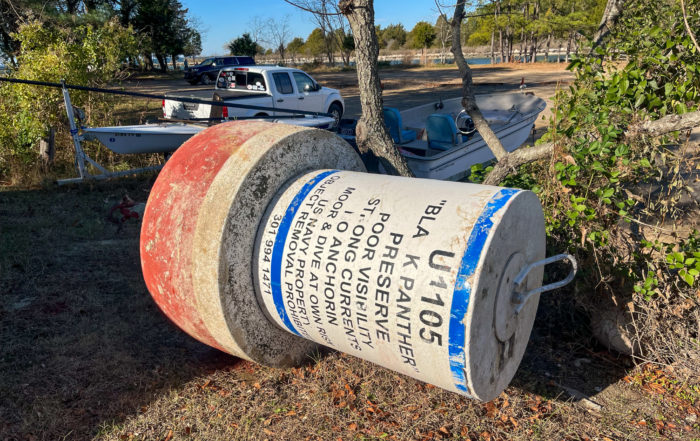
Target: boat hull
point(511, 117)
point(166, 138)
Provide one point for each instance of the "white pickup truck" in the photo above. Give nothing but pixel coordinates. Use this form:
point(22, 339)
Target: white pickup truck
point(271, 87)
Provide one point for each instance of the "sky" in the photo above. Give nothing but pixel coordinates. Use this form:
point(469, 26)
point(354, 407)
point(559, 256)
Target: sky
point(220, 22)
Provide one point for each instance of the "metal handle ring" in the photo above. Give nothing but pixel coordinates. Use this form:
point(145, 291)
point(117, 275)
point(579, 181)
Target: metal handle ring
point(519, 298)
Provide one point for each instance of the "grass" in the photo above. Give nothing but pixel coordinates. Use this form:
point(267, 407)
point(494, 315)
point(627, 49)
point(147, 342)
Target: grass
point(86, 354)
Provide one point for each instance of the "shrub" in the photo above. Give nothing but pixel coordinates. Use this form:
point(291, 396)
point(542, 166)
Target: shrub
point(84, 55)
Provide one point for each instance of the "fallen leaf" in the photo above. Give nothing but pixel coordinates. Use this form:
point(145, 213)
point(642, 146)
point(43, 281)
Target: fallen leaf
point(352, 427)
point(256, 385)
point(268, 432)
point(169, 436)
point(444, 430)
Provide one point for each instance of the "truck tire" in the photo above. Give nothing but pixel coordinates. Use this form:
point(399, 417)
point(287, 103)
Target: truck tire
point(193, 82)
point(204, 79)
point(336, 110)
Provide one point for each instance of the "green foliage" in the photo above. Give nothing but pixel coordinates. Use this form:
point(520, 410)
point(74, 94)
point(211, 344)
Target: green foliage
point(594, 193)
point(422, 35)
point(393, 36)
point(243, 45)
point(83, 55)
point(315, 43)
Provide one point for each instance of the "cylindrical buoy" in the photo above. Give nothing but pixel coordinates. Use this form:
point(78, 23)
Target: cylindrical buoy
point(264, 239)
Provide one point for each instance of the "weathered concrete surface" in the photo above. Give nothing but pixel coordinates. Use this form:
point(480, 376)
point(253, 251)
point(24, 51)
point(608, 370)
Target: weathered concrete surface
point(200, 222)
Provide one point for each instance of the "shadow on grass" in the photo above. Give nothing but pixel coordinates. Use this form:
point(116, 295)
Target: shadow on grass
point(84, 347)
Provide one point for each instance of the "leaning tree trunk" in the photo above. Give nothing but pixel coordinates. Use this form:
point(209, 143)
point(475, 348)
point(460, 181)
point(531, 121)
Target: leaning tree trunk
point(468, 99)
point(372, 134)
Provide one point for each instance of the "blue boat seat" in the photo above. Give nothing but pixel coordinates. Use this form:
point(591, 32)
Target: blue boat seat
point(392, 119)
point(441, 131)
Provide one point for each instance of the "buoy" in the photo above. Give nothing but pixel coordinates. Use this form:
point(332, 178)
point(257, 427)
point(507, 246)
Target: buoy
point(264, 240)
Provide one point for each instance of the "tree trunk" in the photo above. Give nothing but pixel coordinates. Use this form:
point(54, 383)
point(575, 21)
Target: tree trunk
point(546, 51)
point(613, 11)
point(468, 99)
point(568, 46)
point(162, 63)
point(174, 62)
point(500, 42)
point(371, 132)
point(493, 37)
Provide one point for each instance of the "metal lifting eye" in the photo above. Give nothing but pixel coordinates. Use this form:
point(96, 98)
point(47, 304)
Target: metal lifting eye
point(520, 298)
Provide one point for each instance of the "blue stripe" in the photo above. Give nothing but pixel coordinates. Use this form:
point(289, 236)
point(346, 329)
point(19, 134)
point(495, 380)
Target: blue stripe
point(278, 248)
point(462, 291)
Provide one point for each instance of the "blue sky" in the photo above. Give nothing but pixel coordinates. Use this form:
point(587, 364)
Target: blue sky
point(222, 21)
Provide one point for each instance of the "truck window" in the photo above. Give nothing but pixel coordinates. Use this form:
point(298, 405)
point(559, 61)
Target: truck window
point(256, 81)
point(283, 83)
point(303, 81)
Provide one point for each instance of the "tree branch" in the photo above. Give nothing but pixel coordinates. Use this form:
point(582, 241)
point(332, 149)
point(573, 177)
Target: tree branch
point(667, 124)
point(468, 99)
point(513, 160)
point(687, 26)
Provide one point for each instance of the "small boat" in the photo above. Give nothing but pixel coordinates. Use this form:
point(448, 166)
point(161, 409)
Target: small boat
point(438, 139)
point(167, 137)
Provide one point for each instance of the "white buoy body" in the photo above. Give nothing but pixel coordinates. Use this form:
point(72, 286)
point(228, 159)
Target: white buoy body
point(403, 272)
point(266, 240)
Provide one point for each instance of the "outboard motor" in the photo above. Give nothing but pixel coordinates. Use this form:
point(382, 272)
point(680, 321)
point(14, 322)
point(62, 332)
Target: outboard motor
point(464, 123)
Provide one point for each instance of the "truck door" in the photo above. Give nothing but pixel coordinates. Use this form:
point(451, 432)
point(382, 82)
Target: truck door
point(285, 97)
point(309, 95)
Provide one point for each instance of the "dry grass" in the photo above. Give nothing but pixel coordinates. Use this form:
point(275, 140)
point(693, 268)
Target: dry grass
point(86, 354)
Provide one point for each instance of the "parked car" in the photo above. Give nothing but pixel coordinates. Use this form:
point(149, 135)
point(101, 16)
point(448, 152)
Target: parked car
point(206, 71)
point(273, 87)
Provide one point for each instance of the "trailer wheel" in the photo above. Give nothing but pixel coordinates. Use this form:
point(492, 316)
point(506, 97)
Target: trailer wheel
point(336, 111)
point(204, 79)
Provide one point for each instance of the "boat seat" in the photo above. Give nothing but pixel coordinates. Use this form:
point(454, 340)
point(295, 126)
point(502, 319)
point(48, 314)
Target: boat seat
point(392, 119)
point(442, 132)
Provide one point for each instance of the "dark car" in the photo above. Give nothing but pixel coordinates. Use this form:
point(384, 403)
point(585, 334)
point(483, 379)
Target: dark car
point(206, 71)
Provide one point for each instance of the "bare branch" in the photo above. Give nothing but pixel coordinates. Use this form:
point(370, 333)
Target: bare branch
point(513, 160)
point(687, 26)
point(667, 124)
point(311, 10)
point(468, 99)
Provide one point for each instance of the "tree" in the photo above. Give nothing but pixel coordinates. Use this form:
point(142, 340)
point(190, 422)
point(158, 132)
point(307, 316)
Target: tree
point(422, 36)
point(394, 36)
point(443, 34)
point(315, 43)
point(468, 98)
point(278, 36)
point(330, 21)
point(294, 47)
point(243, 45)
point(372, 135)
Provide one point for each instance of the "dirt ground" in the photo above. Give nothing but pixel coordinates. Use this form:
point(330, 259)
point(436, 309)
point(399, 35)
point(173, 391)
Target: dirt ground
point(404, 88)
point(86, 354)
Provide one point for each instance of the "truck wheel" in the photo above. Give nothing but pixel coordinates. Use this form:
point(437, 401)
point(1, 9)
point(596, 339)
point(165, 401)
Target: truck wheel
point(336, 111)
point(193, 82)
point(204, 79)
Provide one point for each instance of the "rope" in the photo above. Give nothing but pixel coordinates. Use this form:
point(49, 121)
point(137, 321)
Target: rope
point(160, 97)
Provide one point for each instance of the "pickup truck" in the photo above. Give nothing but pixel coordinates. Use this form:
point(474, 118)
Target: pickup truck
point(206, 71)
point(273, 87)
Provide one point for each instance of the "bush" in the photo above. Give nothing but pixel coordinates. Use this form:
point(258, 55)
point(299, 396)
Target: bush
point(620, 203)
point(84, 55)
